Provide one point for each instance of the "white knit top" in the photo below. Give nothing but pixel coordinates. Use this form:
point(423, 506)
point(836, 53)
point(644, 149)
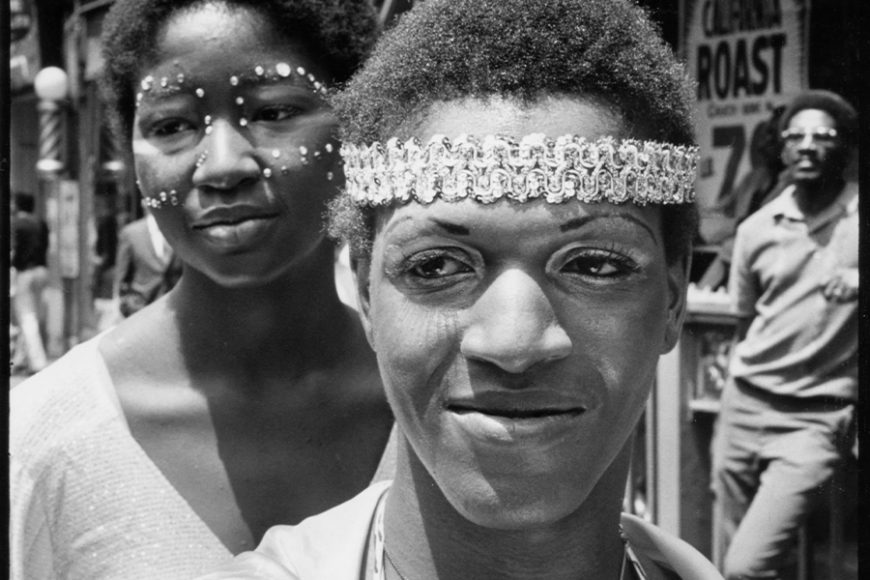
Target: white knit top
point(86, 501)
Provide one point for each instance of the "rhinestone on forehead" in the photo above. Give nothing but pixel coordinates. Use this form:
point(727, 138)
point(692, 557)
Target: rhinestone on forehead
point(281, 70)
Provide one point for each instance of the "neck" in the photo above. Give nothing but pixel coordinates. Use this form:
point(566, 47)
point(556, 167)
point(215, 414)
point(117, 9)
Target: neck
point(428, 539)
point(814, 196)
point(295, 320)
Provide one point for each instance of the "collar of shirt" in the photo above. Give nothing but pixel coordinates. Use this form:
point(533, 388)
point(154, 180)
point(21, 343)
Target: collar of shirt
point(786, 207)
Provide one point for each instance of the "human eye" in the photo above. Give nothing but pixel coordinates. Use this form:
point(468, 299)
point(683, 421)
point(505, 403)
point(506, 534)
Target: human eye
point(277, 113)
point(172, 127)
point(599, 265)
point(433, 269)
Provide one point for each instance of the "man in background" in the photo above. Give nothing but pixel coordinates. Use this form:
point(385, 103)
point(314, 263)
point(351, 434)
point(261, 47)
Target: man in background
point(145, 267)
point(787, 411)
point(29, 252)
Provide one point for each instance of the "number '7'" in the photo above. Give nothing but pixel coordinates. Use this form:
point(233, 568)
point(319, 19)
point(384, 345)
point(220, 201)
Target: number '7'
point(734, 137)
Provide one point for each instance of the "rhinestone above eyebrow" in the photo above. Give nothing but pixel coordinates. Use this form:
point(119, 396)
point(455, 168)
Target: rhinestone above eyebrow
point(234, 80)
point(276, 153)
point(329, 148)
point(243, 122)
point(240, 100)
point(147, 83)
point(180, 78)
point(259, 71)
point(300, 71)
point(283, 69)
point(164, 82)
point(200, 93)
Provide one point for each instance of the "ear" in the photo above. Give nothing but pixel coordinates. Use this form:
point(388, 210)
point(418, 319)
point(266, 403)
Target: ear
point(678, 280)
point(361, 268)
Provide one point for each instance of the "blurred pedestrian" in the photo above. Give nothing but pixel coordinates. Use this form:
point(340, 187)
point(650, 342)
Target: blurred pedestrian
point(29, 255)
point(146, 267)
point(787, 410)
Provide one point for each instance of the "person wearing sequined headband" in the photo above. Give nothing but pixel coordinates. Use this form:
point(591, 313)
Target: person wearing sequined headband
point(519, 199)
point(248, 396)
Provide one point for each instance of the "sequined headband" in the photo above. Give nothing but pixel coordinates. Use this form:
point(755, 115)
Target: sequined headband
point(488, 169)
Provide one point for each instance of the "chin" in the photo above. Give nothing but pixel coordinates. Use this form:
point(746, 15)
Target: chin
point(523, 507)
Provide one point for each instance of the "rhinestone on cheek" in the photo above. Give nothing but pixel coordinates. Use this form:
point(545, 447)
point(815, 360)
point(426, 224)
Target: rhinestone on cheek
point(234, 80)
point(200, 92)
point(267, 173)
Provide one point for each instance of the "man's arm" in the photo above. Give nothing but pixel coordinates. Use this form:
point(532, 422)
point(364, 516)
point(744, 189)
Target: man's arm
point(742, 285)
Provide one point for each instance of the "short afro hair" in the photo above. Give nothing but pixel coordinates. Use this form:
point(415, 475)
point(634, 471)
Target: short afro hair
point(340, 33)
point(444, 50)
point(833, 104)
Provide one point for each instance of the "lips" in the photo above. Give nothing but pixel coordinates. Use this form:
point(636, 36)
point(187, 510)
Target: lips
point(513, 417)
point(234, 227)
point(231, 215)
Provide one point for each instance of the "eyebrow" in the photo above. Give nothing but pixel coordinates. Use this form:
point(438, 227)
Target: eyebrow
point(579, 222)
point(452, 228)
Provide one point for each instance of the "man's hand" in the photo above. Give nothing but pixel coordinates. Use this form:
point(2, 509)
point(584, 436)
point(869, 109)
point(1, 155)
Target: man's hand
point(842, 286)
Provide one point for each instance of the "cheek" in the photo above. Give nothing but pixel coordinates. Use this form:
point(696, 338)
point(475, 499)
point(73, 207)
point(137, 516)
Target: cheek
point(415, 346)
point(156, 172)
point(310, 153)
point(626, 345)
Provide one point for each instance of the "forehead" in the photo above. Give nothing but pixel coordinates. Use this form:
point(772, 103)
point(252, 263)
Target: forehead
point(537, 221)
point(551, 115)
point(812, 118)
point(212, 35)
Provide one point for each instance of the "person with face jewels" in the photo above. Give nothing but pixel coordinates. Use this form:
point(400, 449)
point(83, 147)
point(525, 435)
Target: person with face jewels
point(787, 417)
point(519, 206)
point(248, 395)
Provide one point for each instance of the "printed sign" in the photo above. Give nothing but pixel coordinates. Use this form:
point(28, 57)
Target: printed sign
point(748, 57)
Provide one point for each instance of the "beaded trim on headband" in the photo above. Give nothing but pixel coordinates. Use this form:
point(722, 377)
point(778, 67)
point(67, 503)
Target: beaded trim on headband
point(488, 169)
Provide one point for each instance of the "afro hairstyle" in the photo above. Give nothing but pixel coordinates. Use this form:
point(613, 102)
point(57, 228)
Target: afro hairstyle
point(340, 32)
point(445, 50)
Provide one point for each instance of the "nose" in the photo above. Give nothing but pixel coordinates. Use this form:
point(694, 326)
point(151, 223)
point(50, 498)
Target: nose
point(227, 159)
point(513, 325)
point(807, 142)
